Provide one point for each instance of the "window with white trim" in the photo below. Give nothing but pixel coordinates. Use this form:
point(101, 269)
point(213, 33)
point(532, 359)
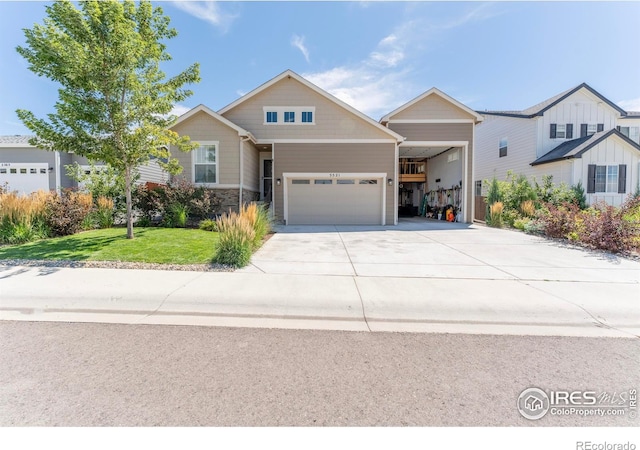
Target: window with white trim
point(503, 147)
point(632, 133)
point(607, 178)
point(272, 117)
point(205, 163)
point(289, 115)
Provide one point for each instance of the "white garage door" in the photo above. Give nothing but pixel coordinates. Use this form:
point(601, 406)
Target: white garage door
point(25, 178)
point(334, 201)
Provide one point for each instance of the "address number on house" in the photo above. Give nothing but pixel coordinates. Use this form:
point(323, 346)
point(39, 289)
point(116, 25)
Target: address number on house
point(334, 175)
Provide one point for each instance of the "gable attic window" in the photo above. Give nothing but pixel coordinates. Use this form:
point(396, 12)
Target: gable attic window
point(272, 117)
point(205, 163)
point(503, 147)
point(289, 115)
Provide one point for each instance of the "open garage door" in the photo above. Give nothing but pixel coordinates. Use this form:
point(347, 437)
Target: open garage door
point(25, 178)
point(344, 200)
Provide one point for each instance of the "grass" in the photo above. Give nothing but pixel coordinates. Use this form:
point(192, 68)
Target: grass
point(151, 245)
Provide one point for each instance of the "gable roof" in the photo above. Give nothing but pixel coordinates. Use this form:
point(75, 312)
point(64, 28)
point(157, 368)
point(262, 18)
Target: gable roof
point(202, 108)
point(433, 91)
point(540, 108)
point(17, 140)
point(291, 74)
point(576, 147)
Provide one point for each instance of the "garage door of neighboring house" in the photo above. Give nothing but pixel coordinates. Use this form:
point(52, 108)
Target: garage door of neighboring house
point(334, 200)
point(25, 178)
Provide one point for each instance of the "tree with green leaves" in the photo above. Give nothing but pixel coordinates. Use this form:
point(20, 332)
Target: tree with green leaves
point(114, 102)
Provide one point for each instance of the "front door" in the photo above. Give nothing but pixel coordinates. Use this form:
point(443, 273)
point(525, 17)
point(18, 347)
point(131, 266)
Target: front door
point(266, 187)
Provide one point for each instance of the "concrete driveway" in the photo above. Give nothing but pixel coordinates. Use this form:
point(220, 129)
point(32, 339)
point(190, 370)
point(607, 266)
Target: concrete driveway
point(420, 269)
point(419, 248)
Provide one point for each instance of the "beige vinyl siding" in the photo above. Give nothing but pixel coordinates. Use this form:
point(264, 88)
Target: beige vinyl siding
point(251, 167)
point(203, 127)
point(335, 158)
point(446, 132)
point(432, 107)
point(331, 120)
point(434, 131)
point(521, 147)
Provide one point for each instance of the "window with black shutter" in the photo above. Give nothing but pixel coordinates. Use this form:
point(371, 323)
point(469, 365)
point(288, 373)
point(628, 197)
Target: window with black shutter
point(600, 127)
point(569, 131)
point(591, 179)
point(583, 130)
point(552, 133)
point(622, 179)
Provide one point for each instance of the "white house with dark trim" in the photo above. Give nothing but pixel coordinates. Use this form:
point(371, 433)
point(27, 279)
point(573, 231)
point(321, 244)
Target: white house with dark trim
point(576, 136)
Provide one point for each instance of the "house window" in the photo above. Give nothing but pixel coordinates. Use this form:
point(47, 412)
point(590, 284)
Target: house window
point(607, 178)
point(587, 129)
point(287, 115)
point(561, 131)
point(272, 117)
point(205, 164)
point(503, 147)
point(632, 133)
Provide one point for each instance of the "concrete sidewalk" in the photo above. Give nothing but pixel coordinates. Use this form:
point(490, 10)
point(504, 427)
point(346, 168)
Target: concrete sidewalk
point(336, 302)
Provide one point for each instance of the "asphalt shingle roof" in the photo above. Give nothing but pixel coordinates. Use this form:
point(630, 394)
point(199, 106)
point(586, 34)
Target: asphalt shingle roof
point(576, 147)
point(15, 139)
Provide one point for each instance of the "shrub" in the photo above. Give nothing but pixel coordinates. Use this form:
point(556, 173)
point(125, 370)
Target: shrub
point(236, 240)
point(609, 228)
point(579, 195)
point(495, 214)
point(65, 213)
point(558, 221)
point(527, 208)
point(102, 181)
point(521, 224)
point(258, 217)
point(104, 212)
point(517, 190)
point(208, 225)
point(557, 194)
point(176, 202)
point(22, 218)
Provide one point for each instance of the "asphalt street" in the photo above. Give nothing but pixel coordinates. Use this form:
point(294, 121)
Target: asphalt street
point(71, 374)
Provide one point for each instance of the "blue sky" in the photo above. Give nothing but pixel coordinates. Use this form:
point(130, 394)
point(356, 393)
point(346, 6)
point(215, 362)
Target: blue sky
point(374, 55)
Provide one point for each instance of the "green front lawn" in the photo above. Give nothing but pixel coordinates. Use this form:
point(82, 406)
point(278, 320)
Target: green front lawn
point(151, 245)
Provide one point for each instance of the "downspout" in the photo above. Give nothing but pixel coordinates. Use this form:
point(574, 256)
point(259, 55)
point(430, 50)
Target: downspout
point(242, 141)
point(57, 170)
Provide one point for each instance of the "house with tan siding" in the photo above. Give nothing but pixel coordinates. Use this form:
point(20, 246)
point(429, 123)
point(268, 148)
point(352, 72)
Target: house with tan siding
point(317, 160)
point(576, 136)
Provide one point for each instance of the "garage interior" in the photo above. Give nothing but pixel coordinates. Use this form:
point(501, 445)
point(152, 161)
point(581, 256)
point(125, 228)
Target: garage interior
point(430, 182)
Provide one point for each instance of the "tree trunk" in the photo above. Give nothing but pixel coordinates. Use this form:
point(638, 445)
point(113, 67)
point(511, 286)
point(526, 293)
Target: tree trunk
point(127, 178)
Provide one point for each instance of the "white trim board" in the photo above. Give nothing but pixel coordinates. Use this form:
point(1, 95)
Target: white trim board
point(325, 141)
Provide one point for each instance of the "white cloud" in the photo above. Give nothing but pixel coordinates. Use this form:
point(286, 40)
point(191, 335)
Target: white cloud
point(179, 110)
point(630, 105)
point(382, 81)
point(208, 11)
point(298, 42)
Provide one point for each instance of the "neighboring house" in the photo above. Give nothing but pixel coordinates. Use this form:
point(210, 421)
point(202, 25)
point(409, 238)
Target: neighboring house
point(318, 160)
point(25, 168)
point(576, 136)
